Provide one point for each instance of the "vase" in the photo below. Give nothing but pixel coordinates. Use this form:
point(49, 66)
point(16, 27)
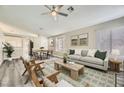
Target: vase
point(64, 60)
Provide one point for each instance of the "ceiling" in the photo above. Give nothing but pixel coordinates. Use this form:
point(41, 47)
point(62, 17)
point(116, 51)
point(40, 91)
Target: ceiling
point(29, 18)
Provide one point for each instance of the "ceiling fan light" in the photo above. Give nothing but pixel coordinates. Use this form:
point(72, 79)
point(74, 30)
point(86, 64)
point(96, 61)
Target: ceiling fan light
point(53, 13)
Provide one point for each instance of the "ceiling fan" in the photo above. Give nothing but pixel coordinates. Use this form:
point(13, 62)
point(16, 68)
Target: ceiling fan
point(54, 11)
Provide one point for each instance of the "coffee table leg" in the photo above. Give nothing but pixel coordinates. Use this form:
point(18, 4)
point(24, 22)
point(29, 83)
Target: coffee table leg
point(81, 71)
point(74, 74)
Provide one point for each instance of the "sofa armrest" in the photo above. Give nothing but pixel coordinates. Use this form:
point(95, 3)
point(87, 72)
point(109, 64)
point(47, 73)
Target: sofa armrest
point(48, 83)
point(53, 77)
point(106, 62)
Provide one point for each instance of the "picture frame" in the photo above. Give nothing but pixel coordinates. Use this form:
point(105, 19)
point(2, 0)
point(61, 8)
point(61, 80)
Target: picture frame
point(83, 39)
point(74, 40)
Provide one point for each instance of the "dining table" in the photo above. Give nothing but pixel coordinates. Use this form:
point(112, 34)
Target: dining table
point(42, 53)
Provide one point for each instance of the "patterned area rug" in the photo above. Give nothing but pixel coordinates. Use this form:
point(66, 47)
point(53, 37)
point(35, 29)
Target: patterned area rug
point(91, 77)
point(11, 76)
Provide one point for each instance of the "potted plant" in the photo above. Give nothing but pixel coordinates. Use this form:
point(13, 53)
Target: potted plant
point(65, 58)
point(8, 49)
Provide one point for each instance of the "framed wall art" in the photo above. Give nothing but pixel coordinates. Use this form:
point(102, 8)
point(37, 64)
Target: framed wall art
point(74, 40)
point(83, 39)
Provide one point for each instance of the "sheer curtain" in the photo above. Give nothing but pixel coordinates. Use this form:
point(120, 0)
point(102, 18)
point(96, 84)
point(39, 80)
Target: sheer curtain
point(108, 40)
point(103, 40)
point(118, 40)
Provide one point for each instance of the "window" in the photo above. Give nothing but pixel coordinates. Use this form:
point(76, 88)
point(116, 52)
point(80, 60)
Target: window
point(14, 41)
point(60, 43)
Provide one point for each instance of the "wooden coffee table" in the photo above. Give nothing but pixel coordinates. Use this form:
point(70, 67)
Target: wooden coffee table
point(75, 69)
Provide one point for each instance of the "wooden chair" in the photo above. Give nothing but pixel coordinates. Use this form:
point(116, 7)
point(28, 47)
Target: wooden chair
point(29, 65)
point(49, 81)
point(40, 82)
point(38, 66)
point(27, 69)
point(36, 81)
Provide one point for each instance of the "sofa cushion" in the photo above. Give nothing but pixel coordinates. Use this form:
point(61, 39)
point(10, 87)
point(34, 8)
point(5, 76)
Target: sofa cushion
point(92, 60)
point(101, 55)
point(76, 56)
point(78, 51)
point(84, 52)
point(91, 52)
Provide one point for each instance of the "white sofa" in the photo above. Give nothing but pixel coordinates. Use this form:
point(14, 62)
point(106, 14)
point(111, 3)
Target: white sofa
point(89, 60)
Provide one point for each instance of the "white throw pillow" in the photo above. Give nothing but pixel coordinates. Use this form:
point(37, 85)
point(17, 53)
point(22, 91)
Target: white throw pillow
point(78, 51)
point(91, 52)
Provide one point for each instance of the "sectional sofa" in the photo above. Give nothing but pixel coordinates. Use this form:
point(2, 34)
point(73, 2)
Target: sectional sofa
point(87, 57)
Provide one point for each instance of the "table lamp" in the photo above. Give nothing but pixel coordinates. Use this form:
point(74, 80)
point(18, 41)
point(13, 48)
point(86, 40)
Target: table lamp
point(115, 54)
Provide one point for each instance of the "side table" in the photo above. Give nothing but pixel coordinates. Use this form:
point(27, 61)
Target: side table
point(115, 65)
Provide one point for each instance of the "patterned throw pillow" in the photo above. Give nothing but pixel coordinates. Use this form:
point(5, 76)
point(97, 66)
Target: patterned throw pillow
point(84, 53)
point(100, 55)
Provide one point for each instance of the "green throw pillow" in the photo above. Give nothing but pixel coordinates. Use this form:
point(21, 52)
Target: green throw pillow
point(100, 55)
point(71, 52)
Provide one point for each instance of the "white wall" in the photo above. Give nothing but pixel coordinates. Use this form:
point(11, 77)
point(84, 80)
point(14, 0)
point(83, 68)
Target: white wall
point(40, 41)
point(8, 29)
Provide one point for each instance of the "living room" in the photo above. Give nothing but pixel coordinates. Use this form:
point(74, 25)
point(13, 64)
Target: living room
point(82, 46)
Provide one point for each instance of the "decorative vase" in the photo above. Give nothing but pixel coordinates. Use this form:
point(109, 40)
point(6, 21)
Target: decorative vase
point(64, 60)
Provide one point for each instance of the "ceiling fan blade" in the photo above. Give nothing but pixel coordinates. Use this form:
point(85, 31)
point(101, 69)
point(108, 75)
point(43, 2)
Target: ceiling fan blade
point(45, 13)
point(53, 7)
point(48, 7)
point(63, 14)
point(58, 7)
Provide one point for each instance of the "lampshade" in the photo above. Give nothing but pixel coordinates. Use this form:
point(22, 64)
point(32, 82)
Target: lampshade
point(115, 52)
